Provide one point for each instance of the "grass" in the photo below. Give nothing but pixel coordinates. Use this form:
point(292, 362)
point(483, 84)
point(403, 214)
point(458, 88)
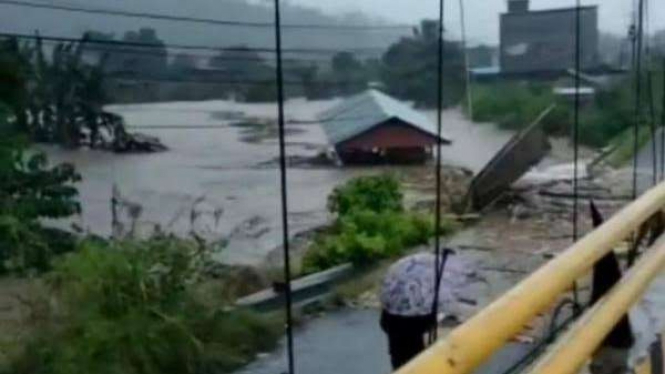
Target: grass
point(133, 307)
point(624, 145)
point(516, 105)
point(371, 225)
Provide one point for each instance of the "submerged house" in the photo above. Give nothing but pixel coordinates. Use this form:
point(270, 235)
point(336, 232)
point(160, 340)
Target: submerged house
point(372, 127)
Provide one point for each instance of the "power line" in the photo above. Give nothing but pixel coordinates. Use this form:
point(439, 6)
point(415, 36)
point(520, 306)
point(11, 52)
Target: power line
point(283, 190)
point(248, 82)
point(576, 138)
point(240, 49)
point(440, 258)
point(650, 97)
point(632, 254)
point(662, 125)
point(467, 70)
point(147, 52)
point(638, 91)
point(209, 21)
point(231, 125)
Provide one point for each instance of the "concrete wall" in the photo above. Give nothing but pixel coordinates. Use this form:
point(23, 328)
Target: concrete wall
point(545, 40)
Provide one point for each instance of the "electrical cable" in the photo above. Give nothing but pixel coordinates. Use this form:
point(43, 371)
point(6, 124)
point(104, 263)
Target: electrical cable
point(187, 19)
point(268, 82)
point(576, 137)
point(632, 254)
point(662, 125)
point(469, 93)
point(546, 340)
point(283, 186)
point(652, 126)
point(437, 211)
point(650, 99)
point(124, 52)
point(313, 51)
point(638, 93)
point(218, 126)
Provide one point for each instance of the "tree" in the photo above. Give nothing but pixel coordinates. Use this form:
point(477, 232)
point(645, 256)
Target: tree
point(142, 61)
point(348, 73)
point(659, 41)
point(245, 72)
point(307, 74)
point(182, 64)
point(13, 75)
point(410, 68)
point(29, 191)
point(147, 58)
point(58, 98)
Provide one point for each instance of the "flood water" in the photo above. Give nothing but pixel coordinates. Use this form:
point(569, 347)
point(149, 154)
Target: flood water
point(221, 168)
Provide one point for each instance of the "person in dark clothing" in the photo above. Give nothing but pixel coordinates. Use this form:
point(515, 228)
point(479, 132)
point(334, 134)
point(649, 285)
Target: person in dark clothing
point(406, 335)
point(413, 294)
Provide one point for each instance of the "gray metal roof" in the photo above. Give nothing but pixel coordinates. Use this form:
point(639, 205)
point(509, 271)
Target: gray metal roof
point(363, 111)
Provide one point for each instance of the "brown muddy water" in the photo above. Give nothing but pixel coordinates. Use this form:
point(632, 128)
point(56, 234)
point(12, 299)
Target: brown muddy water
point(228, 168)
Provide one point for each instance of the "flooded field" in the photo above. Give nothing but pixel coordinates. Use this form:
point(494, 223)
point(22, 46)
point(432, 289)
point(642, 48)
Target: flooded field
point(221, 159)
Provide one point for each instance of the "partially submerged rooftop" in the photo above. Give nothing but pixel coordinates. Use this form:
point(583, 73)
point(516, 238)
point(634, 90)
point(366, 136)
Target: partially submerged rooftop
point(367, 110)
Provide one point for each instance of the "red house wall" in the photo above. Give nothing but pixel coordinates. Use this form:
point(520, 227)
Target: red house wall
point(391, 135)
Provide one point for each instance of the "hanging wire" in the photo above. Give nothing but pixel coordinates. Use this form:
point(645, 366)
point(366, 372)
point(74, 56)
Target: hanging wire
point(283, 186)
point(652, 126)
point(662, 125)
point(638, 92)
point(576, 137)
point(239, 49)
point(155, 50)
point(438, 271)
point(632, 254)
point(469, 96)
point(178, 18)
point(240, 82)
point(651, 98)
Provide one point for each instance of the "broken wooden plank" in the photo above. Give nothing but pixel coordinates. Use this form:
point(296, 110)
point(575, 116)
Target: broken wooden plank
point(523, 151)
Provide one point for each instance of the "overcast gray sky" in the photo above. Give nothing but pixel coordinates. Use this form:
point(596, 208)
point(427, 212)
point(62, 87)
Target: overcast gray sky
point(482, 16)
point(482, 19)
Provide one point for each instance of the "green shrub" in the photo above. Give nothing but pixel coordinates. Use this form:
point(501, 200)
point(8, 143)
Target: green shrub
point(624, 144)
point(374, 193)
point(516, 105)
point(26, 247)
point(30, 190)
point(371, 225)
point(128, 308)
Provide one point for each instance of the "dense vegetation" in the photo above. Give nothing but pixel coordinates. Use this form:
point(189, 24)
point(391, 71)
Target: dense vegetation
point(371, 224)
point(132, 307)
point(30, 190)
point(515, 105)
point(410, 68)
point(58, 97)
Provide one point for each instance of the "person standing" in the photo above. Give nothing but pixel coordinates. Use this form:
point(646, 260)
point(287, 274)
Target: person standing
point(407, 299)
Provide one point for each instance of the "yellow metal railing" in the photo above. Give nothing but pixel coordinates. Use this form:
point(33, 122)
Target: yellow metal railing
point(574, 349)
point(472, 343)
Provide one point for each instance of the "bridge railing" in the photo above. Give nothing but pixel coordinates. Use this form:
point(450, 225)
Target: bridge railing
point(472, 343)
